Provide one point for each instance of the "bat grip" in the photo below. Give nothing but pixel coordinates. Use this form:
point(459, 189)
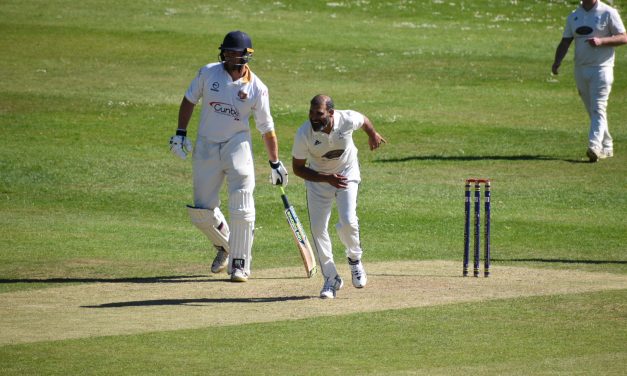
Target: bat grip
point(284, 198)
point(285, 202)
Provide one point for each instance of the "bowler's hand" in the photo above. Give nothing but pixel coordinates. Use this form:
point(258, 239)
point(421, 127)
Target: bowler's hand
point(375, 141)
point(337, 180)
point(594, 42)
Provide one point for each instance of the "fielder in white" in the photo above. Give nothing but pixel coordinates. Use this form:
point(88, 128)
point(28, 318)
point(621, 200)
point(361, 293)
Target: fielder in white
point(326, 157)
point(230, 93)
point(596, 29)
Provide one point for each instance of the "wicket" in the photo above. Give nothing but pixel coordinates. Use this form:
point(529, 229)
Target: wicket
point(477, 242)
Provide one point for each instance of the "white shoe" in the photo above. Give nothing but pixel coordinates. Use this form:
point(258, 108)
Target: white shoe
point(606, 153)
point(593, 154)
point(220, 261)
point(331, 285)
point(359, 274)
point(239, 275)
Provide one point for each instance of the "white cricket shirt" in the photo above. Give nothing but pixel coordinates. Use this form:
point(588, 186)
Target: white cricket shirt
point(227, 104)
point(600, 21)
point(333, 153)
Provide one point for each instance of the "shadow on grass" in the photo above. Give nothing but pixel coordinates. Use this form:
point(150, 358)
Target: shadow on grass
point(194, 302)
point(563, 261)
point(479, 158)
point(163, 279)
point(159, 279)
point(420, 275)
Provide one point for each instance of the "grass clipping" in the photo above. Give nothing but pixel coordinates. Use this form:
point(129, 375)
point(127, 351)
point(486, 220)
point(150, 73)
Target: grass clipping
point(102, 309)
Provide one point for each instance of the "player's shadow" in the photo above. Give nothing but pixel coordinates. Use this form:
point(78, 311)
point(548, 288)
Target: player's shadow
point(197, 302)
point(158, 279)
point(562, 261)
point(467, 158)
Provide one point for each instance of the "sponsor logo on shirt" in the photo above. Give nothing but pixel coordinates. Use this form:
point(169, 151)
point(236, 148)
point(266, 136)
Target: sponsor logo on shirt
point(225, 109)
point(215, 86)
point(333, 154)
point(584, 30)
point(317, 142)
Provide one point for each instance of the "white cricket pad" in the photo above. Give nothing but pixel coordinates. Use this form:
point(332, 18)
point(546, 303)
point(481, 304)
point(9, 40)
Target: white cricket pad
point(241, 244)
point(213, 224)
point(241, 206)
point(242, 211)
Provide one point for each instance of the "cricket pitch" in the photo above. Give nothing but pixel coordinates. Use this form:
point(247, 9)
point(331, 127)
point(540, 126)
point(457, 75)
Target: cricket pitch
point(104, 309)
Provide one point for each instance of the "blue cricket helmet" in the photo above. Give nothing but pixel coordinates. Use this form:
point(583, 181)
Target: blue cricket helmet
point(237, 41)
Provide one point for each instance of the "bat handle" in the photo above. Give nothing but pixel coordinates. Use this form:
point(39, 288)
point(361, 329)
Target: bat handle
point(286, 204)
point(284, 198)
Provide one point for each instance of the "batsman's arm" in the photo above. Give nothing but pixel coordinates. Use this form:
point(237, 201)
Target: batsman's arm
point(272, 145)
point(180, 144)
point(278, 173)
point(299, 166)
point(185, 113)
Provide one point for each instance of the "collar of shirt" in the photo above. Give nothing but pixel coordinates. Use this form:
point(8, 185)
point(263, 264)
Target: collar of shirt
point(594, 7)
point(247, 76)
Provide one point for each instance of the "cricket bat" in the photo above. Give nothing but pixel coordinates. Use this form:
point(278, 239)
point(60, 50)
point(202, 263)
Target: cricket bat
point(300, 237)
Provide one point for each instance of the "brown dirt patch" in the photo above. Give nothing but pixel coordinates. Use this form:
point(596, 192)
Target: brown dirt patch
point(100, 309)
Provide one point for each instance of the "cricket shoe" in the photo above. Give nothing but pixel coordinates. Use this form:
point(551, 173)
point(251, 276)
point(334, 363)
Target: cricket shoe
point(359, 274)
point(331, 285)
point(239, 275)
point(606, 153)
point(593, 154)
point(220, 261)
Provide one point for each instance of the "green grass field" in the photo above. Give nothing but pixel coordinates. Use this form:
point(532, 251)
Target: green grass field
point(90, 193)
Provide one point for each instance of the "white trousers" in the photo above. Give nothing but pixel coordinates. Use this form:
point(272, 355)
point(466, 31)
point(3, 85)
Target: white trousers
point(231, 160)
point(320, 199)
point(594, 85)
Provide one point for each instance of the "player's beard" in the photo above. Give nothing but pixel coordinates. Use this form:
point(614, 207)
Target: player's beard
point(319, 125)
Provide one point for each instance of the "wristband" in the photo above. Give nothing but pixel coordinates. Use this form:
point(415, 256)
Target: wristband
point(275, 165)
point(181, 132)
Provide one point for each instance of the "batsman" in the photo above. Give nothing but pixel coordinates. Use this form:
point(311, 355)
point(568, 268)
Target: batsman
point(325, 156)
point(230, 93)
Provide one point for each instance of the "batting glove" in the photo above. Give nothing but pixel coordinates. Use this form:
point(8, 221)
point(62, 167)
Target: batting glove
point(279, 173)
point(180, 145)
